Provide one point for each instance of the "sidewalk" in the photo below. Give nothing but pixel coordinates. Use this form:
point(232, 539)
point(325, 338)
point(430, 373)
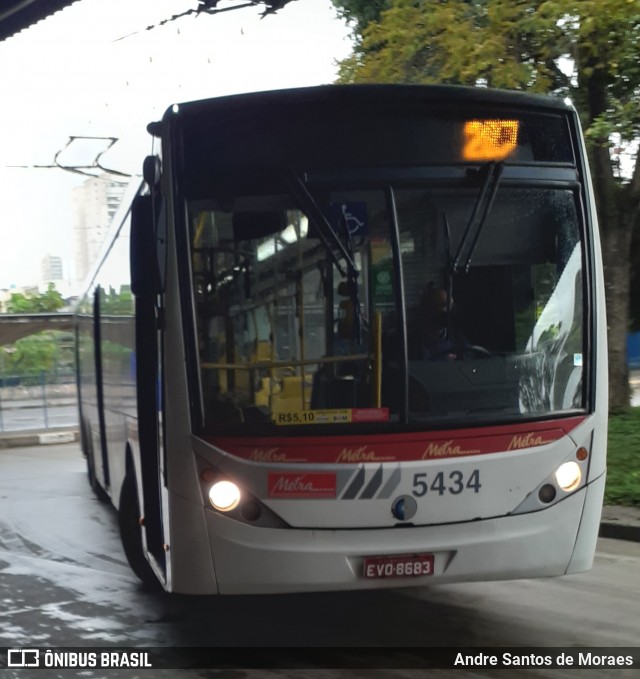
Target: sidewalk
point(621, 523)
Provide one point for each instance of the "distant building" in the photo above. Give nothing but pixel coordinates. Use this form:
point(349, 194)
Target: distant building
point(95, 204)
point(51, 270)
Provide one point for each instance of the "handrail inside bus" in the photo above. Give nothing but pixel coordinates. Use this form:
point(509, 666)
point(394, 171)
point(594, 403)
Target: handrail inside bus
point(253, 365)
point(377, 359)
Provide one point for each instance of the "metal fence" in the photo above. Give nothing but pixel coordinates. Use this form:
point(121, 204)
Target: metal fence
point(42, 401)
point(49, 400)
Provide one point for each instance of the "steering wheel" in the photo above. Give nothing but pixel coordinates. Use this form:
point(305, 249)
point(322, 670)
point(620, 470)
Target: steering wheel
point(477, 351)
point(460, 353)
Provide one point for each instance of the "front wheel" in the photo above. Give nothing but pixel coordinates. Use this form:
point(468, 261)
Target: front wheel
point(131, 532)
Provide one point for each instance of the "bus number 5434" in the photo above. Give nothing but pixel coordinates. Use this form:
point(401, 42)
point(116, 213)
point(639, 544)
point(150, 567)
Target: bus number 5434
point(454, 483)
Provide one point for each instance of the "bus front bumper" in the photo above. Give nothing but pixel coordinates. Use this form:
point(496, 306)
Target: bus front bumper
point(250, 560)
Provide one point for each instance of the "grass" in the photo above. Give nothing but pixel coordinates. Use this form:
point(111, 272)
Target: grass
point(623, 462)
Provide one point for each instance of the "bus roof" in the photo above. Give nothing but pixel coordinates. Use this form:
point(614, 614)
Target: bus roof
point(397, 94)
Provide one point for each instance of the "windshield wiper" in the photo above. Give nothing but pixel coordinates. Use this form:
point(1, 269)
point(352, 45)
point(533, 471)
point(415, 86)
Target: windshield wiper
point(490, 185)
point(331, 240)
point(328, 236)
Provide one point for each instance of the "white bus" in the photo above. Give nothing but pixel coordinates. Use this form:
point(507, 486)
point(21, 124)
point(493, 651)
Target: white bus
point(361, 344)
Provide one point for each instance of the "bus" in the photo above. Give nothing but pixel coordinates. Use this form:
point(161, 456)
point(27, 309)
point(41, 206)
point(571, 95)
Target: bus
point(351, 337)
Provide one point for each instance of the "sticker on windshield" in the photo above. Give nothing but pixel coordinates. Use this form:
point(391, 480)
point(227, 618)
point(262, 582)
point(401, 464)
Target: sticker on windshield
point(351, 214)
point(337, 416)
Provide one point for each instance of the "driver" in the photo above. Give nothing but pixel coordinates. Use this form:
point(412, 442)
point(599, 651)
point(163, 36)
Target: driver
point(440, 339)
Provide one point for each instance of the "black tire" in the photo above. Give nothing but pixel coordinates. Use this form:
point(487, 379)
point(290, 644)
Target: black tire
point(131, 533)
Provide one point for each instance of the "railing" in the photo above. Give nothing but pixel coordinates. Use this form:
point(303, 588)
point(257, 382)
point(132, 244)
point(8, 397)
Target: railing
point(42, 401)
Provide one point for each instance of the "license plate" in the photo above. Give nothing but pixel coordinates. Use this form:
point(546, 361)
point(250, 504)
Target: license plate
point(404, 566)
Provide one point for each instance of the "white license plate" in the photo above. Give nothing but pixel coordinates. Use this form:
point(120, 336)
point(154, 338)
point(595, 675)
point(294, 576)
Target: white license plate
point(400, 566)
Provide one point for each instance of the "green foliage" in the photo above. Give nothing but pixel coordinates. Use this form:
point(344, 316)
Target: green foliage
point(452, 42)
point(45, 352)
point(46, 302)
point(360, 13)
point(623, 463)
point(568, 47)
point(117, 303)
point(116, 357)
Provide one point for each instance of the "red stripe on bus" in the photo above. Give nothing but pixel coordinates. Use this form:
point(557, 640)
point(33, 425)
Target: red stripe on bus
point(407, 447)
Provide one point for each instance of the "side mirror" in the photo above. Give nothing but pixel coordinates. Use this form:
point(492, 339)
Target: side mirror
point(151, 170)
point(145, 277)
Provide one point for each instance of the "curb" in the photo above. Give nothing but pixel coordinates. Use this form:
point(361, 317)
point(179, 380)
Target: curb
point(620, 522)
point(38, 438)
point(619, 531)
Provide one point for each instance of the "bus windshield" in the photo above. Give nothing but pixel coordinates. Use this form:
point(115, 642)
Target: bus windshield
point(364, 303)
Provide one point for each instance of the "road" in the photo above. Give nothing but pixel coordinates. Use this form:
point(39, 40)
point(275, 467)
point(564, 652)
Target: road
point(64, 581)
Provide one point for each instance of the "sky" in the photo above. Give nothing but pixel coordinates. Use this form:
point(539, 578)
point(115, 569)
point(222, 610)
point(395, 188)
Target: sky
point(93, 70)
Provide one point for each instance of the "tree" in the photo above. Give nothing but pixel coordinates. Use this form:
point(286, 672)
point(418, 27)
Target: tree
point(584, 49)
point(360, 13)
point(40, 353)
point(31, 356)
point(46, 302)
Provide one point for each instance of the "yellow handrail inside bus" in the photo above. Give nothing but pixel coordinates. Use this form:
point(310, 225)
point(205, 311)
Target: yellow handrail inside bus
point(377, 359)
point(199, 229)
point(284, 364)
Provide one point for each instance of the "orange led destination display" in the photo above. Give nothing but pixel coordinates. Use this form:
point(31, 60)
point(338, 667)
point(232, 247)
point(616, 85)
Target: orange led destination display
point(490, 139)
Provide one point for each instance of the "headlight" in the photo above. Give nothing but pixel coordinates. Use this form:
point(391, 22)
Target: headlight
point(568, 476)
point(224, 496)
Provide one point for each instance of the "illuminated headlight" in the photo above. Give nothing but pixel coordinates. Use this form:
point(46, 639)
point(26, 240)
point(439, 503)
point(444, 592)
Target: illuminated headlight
point(568, 476)
point(224, 496)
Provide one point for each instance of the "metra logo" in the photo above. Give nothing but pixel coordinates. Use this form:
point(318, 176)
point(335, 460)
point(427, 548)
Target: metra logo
point(291, 485)
point(527, 440)
point(446, 449)
point(361, 455)
point(271, 455)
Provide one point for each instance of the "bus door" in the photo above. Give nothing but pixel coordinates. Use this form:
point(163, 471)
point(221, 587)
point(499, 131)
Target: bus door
point(99, 465)
point(149, 374)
